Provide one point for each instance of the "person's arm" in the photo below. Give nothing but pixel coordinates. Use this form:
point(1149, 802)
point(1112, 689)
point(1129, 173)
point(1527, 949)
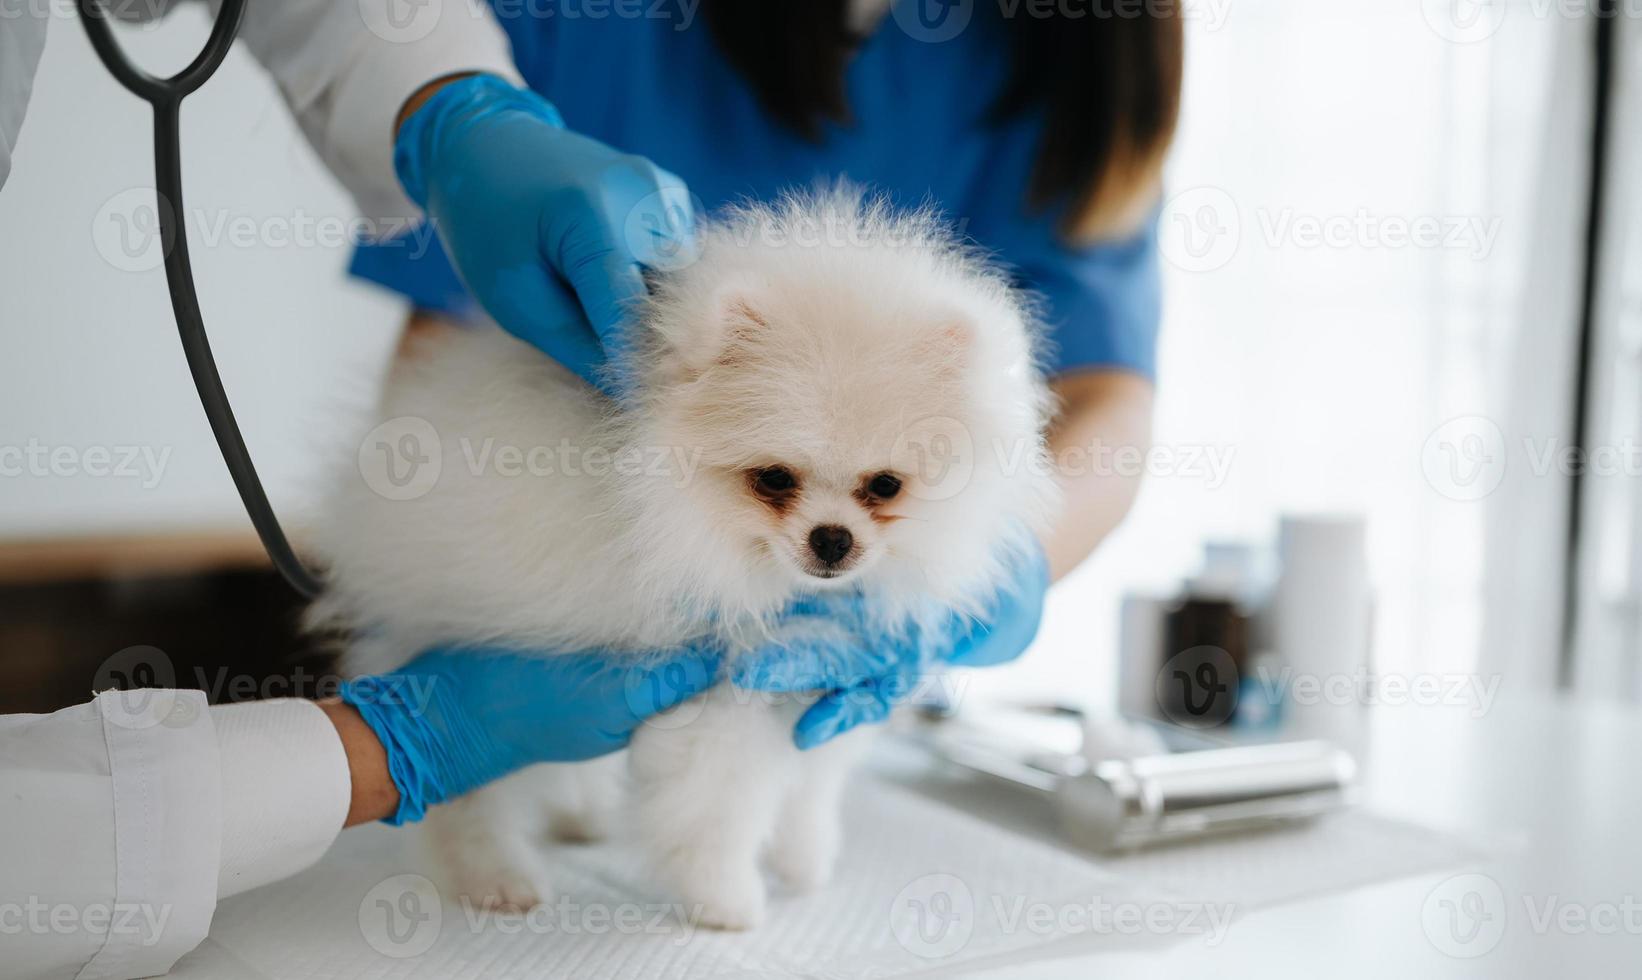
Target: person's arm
point(372, 794)
point(22, 39)
point(548, 229)
point(347, 72)
point(1104, 427)
point(129, 816)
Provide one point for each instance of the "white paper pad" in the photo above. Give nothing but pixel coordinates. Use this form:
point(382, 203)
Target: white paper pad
point(921, 886)
point(1330, 855)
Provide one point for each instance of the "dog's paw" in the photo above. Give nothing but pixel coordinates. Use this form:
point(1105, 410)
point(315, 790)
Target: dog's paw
point(804, 856)
point(727, 899)
point(506, 891)
point(506, 879)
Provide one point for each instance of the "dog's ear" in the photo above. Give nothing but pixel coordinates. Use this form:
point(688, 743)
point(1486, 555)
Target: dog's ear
point(738, 320)
point(711, 325)
point(729, 324)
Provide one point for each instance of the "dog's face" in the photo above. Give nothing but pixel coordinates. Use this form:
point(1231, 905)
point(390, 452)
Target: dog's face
point(871, 435)
point(821, 525)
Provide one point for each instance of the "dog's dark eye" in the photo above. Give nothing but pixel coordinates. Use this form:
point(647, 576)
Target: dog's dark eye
point(774, 480)
point(884, 486)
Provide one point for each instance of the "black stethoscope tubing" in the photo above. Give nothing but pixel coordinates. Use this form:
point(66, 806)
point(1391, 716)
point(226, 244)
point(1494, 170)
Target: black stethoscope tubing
point(165, 95)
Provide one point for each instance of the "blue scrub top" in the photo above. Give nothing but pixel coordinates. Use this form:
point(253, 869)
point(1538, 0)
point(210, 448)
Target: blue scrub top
point(919, 134)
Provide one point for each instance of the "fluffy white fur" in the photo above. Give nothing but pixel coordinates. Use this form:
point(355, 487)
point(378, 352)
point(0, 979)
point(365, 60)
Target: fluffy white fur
point(825, 334)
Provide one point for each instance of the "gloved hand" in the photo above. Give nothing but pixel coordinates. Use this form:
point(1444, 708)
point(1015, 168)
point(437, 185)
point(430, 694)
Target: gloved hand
point(453, 720)
point(547, 229)
point(866, 676)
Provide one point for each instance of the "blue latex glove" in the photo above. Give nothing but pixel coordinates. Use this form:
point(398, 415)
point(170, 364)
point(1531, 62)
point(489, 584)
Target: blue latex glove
point(865, 677)
point(547, 229)
point(453, 720)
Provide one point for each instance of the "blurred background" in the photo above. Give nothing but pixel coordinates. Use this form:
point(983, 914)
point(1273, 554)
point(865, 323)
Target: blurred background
point(1397, 291)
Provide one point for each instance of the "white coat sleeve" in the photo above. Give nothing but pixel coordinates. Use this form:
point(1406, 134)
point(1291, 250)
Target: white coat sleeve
point(346, 68)
point(22, 38)
point(126, 818)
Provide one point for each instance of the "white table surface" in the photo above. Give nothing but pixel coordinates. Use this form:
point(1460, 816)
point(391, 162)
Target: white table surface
point(1532, 869)
point(1548, 789)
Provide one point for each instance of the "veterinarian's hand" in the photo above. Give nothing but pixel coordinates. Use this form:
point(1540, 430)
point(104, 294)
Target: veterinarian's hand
point(453, 720)
point(547, 228)
point(866, 676)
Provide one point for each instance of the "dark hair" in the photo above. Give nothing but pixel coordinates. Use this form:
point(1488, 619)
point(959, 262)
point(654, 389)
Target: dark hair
point(1107, 82)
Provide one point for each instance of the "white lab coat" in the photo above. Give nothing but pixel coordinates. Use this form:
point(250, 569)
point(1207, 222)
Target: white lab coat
point(344, 67)
point(125, 819)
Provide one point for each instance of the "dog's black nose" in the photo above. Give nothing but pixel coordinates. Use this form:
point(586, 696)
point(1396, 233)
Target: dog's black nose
point(831, 542)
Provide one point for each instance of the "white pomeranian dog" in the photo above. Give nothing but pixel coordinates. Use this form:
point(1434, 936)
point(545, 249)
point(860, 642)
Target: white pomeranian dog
point(832, 396)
